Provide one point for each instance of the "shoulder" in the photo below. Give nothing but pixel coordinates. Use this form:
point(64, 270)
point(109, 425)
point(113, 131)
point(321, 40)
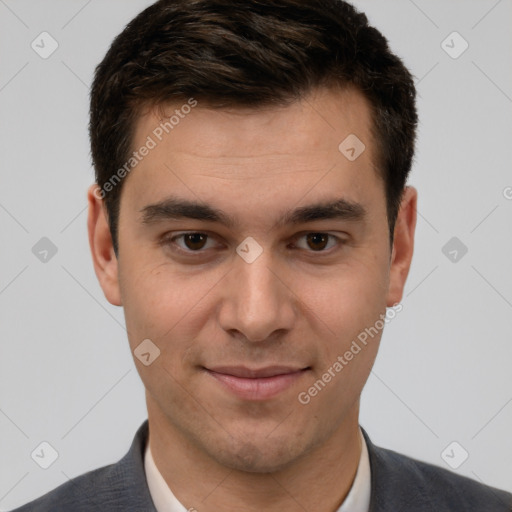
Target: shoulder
point(85, 492)
point(403, 481)
point(117, 487)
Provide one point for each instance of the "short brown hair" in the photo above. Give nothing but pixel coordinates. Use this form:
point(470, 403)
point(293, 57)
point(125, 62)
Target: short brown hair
point(249, 53)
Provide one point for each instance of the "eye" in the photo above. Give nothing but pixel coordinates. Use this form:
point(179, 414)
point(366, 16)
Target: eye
point(318, 242)
point(197, 242)
point(191, 242)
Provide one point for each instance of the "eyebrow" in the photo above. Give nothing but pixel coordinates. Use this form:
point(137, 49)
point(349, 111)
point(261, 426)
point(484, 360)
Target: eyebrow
point(174, 208)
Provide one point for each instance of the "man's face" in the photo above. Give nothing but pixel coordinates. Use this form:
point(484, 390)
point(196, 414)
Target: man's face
point(286, 305)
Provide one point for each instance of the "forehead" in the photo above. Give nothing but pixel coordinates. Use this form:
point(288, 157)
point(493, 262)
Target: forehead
point(246, 155)
point(318, 121)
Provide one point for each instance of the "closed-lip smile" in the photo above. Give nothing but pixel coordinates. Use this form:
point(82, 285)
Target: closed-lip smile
point(256, 384)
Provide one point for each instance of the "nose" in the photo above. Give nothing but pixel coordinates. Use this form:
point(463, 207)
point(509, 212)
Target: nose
point(257, 303)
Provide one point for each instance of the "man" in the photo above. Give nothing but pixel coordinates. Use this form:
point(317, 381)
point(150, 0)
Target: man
point(251, 215)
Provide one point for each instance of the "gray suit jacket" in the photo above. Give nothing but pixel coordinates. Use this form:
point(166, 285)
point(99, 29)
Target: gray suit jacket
point(399, 484)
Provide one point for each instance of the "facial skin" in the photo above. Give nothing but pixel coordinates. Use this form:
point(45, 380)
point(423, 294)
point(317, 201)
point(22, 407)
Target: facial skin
point(299, 304)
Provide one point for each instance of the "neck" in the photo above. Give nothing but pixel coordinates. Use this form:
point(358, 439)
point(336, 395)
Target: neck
point(320, 480)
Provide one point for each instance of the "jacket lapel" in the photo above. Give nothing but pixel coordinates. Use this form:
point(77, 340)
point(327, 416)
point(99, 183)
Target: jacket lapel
point(127, 482)
point(395, 484)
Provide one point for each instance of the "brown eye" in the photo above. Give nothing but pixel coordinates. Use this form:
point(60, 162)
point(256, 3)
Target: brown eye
point(317, 241)
point(194, 241)
point(191, 242)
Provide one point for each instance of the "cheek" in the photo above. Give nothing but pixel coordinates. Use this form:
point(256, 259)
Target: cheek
point(345, 301)
point(162, 304)
point(350, 311)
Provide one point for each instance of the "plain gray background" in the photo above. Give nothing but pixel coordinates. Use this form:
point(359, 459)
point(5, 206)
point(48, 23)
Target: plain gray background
point(443, 372)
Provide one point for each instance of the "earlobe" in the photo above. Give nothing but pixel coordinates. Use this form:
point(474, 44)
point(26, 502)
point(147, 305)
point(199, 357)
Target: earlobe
point(102, 250)
point(403, 246)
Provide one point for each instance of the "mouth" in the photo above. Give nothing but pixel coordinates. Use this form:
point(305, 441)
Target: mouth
point(256, 384)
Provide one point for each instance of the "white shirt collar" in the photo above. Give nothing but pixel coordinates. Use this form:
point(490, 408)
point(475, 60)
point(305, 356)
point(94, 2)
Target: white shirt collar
point(357, 500)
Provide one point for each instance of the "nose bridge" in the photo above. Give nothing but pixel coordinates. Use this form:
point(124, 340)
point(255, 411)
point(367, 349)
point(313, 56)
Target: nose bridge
point(256, 302)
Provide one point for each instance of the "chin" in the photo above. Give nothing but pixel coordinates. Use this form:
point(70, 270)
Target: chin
point(254, 454)
point(252, 458)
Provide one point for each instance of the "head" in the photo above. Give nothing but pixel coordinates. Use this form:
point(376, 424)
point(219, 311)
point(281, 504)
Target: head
point(251, 211)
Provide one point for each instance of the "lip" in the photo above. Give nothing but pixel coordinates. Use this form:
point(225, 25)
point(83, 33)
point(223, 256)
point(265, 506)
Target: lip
point(256, 384)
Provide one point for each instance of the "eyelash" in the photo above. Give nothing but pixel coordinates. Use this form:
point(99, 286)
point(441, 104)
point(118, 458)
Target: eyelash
point(170, 240)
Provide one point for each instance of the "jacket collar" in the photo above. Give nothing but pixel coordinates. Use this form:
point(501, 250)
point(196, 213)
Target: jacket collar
point(128, 479)
point(395, 486)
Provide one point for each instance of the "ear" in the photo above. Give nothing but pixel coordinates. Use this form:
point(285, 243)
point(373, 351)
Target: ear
point(102, 249)
point(403, 246)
